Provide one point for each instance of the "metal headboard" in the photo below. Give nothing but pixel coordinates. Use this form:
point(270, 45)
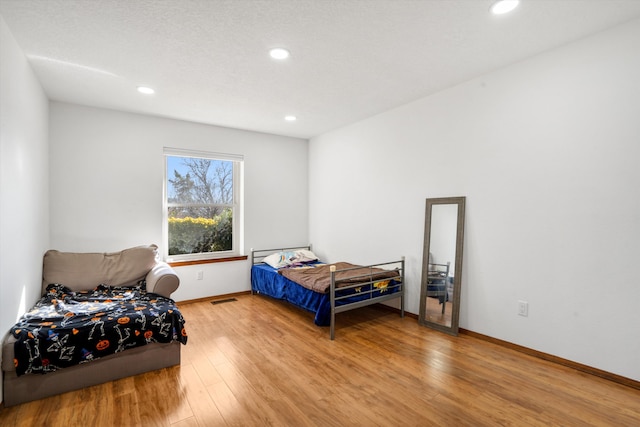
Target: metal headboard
point(257, 255)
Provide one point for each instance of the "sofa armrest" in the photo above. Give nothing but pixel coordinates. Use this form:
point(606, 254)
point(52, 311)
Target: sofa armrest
point(162, 280)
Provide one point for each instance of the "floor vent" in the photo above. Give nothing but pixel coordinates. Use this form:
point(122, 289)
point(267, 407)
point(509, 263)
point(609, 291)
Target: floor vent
point(220, 301)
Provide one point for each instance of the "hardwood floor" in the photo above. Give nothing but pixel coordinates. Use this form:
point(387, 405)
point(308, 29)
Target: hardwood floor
point(256, 361)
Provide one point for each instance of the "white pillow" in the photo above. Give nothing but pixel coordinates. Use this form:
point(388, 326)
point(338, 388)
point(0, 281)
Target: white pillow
point(304, 255)
point(284, 259)
point(279, 259)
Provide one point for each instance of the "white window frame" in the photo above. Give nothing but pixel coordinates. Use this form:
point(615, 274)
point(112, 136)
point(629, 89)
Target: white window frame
point(236, 206)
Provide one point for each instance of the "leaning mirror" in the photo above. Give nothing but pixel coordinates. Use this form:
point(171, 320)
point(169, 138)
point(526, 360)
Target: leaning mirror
point(442, 264)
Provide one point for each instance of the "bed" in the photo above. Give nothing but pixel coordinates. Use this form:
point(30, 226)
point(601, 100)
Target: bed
point(297, 276)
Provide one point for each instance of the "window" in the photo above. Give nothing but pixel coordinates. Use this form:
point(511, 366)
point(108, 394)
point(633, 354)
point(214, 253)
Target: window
point(201, 205)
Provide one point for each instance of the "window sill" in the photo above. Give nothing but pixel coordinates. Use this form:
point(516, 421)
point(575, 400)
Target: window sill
point(207, 261)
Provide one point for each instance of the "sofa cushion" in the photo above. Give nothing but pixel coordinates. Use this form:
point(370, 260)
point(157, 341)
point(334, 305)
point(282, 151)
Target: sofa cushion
point(82, 271)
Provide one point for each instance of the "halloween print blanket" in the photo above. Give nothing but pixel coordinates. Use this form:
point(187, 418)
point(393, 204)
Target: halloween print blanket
point(66, 328)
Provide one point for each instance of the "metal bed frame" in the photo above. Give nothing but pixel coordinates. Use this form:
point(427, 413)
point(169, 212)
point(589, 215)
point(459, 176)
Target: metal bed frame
point(257, 257)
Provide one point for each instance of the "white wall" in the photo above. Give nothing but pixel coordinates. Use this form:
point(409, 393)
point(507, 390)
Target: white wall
point(24, 189)
point(547, 152)
point(107, 170)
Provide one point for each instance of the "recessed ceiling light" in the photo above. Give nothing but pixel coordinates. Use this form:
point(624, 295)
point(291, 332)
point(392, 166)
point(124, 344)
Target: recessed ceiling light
point(290, 118)
point(279, 53)
point(146, 90)
point(504, 6)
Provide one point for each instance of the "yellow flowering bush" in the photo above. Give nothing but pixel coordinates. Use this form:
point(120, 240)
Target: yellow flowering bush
point(194, 235)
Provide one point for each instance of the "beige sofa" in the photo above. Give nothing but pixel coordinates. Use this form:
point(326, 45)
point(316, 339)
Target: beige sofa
point(84, 271)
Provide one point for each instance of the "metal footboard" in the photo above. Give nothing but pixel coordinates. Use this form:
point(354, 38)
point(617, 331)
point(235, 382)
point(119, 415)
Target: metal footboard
point(395, 288)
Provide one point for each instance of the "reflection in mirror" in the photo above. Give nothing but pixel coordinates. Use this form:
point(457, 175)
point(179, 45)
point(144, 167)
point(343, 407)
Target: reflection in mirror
point(442, 264)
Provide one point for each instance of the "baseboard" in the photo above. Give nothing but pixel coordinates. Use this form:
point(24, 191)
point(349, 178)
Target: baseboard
point(394, 309)
point(540, 355)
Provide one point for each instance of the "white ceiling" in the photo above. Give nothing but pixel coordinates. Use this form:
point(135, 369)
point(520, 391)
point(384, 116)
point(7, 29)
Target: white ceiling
point(208, 59)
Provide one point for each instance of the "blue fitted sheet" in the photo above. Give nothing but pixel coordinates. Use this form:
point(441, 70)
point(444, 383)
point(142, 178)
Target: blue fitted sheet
point(266, 280)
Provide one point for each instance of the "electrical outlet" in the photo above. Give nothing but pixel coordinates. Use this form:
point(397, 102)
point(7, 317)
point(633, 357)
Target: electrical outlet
point(199, 275)
point(523, 308)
